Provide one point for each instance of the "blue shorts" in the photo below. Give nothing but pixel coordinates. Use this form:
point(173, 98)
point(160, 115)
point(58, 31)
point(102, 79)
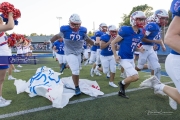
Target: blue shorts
point(4, 67)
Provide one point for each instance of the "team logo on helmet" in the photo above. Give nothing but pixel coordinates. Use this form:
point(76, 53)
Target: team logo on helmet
point(158, 12)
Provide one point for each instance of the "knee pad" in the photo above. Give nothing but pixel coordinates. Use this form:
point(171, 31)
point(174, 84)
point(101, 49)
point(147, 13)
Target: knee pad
point(157, 73)
point(99, 65)
point(75, 72)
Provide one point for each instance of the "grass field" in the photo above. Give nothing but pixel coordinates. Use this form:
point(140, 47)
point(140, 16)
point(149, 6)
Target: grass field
point(143, 103)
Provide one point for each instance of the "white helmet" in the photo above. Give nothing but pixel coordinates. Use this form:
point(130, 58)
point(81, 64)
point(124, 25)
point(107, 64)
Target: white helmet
point(161, 13)
point(134, 16)
point(75, 22)
point(75, 18)
point(103, 27)
point(112, 30)
point(150, 19)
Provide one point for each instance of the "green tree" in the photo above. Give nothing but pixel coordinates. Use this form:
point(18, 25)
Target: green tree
point(90, 34)
point(33, 34)
point(51, 35)
point(145, 8)
point(6, 34)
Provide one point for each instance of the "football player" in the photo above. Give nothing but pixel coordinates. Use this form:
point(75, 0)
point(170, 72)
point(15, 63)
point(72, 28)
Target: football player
point(153, 35)
point(106, 57)
point(129, 37)
point(73, 36)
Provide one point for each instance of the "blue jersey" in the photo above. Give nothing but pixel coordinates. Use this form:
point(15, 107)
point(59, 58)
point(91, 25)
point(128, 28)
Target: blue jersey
point(155, 32)
point(99, 34)
point(73, 41)
point(129, 42)
point(175, 10)
point(94, 47)
point(106, 51)
point(59, 46)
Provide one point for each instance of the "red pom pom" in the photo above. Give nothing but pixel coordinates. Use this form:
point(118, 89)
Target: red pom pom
point(14, 38)
point(6, 7)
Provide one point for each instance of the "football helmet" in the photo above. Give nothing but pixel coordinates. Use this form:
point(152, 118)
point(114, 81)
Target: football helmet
point(75, 22)
point(161, 17)
point(112, 30)
point(103, 27)
point(150, 19)
point(134, 19)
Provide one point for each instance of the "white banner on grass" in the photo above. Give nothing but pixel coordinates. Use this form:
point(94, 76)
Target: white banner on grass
point(48, 84)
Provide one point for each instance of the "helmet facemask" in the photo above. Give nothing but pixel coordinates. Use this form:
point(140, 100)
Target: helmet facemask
point(138, 19)
point(103, 27)
point(161, 17)
point(112, 30)
point(75, 26)
point(140, 22)
point(113, 34)
point(163, 21)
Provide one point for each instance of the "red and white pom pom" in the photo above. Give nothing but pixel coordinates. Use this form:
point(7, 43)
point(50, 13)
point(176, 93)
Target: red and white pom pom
point(6, 7)
point(14, 38)
point(11, 42)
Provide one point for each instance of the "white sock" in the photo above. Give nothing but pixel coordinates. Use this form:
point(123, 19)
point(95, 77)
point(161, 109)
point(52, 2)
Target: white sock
point(97, 67)
point(123, 82)
point(159, 87)
point(162, 87)
point(10, 76)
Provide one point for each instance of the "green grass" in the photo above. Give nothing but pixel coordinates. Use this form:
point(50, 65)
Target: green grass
point(108, 108)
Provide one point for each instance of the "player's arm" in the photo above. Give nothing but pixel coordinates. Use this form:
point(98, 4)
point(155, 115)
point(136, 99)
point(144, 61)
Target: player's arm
point(147, 33)
point(172, 37)
point(88, 40)
point(57, 36)
point(97, 42)
point(54, 48)
point(104, 44)
point(113, 44)
point(117, 47)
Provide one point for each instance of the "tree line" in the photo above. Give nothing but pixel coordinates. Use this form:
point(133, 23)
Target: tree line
point(125, 19)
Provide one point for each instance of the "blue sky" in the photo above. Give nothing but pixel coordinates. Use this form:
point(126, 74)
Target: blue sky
point(39, 16)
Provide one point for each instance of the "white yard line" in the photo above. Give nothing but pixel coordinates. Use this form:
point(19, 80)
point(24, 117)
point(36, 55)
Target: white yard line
point(71, 102)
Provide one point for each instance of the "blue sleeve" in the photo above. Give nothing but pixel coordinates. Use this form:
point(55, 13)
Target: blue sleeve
point(83, 29)
point(62, 29)
point(104, 38)
point(93, 37)
point(98, 34)
point(175, 7)
point(55, 43)
point(150, 27)
point(122, 31)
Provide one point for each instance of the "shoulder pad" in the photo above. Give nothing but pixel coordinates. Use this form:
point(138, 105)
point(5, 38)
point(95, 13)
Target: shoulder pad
point(64, 28)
